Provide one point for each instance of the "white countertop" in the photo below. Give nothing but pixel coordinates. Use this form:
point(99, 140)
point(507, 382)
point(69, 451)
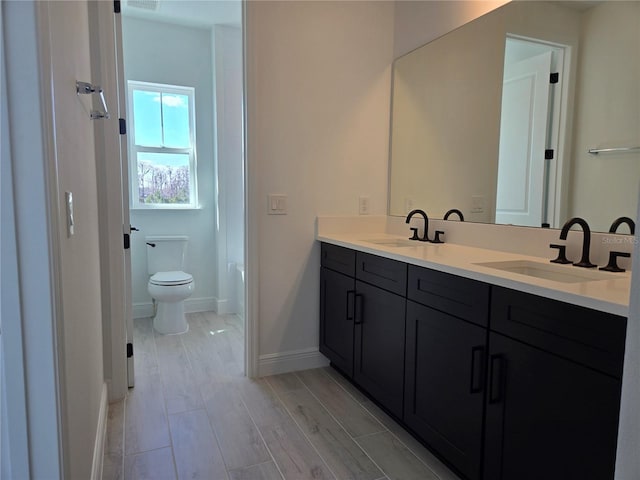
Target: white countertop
point(610, 295)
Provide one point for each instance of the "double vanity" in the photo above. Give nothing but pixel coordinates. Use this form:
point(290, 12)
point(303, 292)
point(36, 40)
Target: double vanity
point(507, 366)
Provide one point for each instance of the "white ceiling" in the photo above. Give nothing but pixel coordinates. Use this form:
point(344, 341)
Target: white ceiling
point(202, 13)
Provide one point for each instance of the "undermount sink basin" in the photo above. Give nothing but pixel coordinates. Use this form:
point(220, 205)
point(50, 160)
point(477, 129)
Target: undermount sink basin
point(549, 271)
point(396, 242)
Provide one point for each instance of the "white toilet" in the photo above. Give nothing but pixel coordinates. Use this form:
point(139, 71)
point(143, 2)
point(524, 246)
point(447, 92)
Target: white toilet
point(168, 284)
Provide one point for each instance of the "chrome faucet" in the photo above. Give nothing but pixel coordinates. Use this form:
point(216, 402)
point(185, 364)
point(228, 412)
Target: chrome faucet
point(620, 221)
point(454, 211)
point(586, 240)
point(425, 236)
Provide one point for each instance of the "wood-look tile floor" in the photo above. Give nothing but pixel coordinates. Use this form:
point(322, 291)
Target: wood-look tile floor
point(193, 415)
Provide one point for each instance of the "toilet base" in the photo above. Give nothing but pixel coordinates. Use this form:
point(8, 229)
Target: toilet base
point(170, 319)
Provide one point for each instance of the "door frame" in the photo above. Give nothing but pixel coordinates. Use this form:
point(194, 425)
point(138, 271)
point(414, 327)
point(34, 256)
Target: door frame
point(103, 22)
point(559, 126)
point(252, 215)
point(532, 74)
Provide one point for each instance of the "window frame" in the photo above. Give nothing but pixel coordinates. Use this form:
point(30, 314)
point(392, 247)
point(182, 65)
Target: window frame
point(134, 149)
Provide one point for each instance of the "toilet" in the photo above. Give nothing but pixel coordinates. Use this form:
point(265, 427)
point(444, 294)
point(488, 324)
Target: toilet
point(168, 284)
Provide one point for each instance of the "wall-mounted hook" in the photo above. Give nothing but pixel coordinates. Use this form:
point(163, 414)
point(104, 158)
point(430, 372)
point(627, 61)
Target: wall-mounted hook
point(86, 88)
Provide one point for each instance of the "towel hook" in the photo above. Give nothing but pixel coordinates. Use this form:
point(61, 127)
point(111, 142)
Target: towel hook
point(86, 88)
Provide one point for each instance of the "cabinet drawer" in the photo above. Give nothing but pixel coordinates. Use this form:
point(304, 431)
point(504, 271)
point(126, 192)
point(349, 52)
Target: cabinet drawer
point(460, 297)
point(337, 258)
point(382, 272)
point(590, 337)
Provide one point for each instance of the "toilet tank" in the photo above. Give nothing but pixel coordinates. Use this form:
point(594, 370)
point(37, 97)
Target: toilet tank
point(168, 254)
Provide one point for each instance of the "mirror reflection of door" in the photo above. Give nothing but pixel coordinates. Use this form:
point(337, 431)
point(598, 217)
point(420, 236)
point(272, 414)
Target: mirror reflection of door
point(524, 191)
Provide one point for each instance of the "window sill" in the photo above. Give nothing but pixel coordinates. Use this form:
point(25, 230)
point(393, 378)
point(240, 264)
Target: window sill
point(165, 209)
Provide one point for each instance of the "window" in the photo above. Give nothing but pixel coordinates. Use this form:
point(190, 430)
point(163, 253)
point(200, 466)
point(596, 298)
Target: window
point(162, 146)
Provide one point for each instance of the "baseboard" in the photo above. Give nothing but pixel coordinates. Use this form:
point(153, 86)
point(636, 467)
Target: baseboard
point(101, 435)
point(223, 307)
point(202, 304)
point(191, 305)
point(283, 362)
point(142, 310)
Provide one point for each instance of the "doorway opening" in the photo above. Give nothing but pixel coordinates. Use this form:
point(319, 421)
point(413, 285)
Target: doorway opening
point(183, 71)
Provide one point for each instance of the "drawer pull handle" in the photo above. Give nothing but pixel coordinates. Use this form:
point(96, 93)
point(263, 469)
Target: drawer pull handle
point(496, 378)
point(358, 309)
point(350, 304)
point(477, 369)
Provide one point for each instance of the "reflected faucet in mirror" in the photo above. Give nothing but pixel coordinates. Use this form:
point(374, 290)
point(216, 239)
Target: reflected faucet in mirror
point(619, 221)
point(454, 211)
point(586, 240)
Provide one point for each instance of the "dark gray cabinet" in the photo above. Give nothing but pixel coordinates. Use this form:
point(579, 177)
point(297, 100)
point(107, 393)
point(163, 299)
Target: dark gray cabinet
point(446, 345)
point(553, 389)
point(445, 383)
point(337, 296)
point(337, 293)
point(501, 384)
point(362, 321)
point(547, 417)
point(379, 345)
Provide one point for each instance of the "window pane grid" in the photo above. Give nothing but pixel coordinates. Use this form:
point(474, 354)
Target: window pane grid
point(162, 146)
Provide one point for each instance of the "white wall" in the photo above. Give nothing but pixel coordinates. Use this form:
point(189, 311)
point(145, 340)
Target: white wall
point(606, 118)
point(177, 55)
point(227, 58)
point(318, 127)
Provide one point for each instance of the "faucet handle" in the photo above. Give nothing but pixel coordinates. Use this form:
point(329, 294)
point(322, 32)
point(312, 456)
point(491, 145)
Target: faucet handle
point(415, 233)
point(436, 239)
point(612, 266)
point(562, 253)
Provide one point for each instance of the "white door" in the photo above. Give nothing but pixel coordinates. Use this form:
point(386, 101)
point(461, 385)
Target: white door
point(126, 219)
point(523, 132)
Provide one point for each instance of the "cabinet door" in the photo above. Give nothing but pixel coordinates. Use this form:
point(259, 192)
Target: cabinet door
point(444, 385)
point(379, 345)
point(336, 319)
point(547, 417)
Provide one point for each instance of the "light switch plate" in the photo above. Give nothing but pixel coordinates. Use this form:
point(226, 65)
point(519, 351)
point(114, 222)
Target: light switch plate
point(276, 204)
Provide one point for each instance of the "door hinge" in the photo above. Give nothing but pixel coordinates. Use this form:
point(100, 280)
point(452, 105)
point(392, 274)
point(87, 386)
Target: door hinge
point(129, 350)
point(116, 6)
point(548, 154)
point(554, 77)
point(123, 126)
point(127, 241)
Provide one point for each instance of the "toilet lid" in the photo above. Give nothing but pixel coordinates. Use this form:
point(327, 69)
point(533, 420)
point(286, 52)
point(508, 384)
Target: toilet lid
point(171, 278)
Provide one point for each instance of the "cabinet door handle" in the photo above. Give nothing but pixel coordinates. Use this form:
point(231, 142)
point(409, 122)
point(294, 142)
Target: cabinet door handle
point(350, 304)
point(477, 369)
point(358, 309)
point(497, 366)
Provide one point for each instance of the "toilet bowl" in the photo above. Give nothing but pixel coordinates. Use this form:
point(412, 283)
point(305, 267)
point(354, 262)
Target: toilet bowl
point(170, 290)
point(168, 284)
